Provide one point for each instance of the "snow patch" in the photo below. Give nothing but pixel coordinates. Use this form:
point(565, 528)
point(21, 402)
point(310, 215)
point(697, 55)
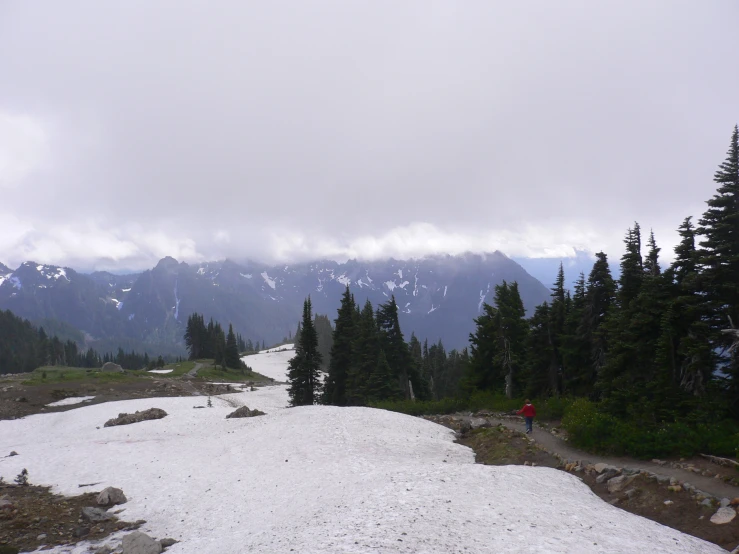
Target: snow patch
point(391, 285)
point(482, 298)
point(403, 285)
point(270, 282)
point(130, 317)
point(318, 479)
point(344, 280)
point(245, 275)
point(126, 290)
point(433, 309)
point(400, 274)
point(201, 271)
point(445, 287)
point(70, 401)
point(15, 281)
point(176, 301)
point(160, 370)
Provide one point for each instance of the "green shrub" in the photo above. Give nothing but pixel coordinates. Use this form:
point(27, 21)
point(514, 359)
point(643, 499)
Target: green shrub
point(417, 408)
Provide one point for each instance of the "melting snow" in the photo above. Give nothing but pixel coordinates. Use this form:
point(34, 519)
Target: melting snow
point(267, 280)
point(415, 284)
point(271, 363)
point(344, 280)
point(15, 282)
point(201, 271)
point(318, 479)
point(445, 290)
point(160, 370)
point(130, 317)
point(482, 298)
point(391, 285)
point(176, 301)
point(433, 309)
point(126, 290)
point(400, 273)
point(245, 275)
point(403, 285)
point(71, 401)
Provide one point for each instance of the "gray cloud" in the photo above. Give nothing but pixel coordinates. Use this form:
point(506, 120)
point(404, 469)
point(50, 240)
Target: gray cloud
point(287, 130)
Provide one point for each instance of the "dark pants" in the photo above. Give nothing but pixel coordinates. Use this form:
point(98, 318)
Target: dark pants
point(529, 424)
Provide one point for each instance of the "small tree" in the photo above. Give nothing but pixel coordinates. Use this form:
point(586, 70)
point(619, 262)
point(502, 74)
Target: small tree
point(22, 478)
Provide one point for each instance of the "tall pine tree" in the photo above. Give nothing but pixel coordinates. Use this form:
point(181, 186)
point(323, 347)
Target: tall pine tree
point(304, 368)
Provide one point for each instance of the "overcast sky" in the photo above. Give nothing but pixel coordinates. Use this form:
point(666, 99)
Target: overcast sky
point(290, 130)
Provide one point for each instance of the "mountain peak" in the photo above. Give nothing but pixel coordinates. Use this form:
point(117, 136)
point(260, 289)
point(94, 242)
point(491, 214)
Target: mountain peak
point(168, 262)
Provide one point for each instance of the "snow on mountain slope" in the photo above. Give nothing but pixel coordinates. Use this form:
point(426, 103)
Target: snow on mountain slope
point(318, 479)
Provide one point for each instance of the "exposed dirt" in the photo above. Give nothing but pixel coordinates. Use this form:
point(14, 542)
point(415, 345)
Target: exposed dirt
point(644, 496)
point(35, 517)
point(19, 400)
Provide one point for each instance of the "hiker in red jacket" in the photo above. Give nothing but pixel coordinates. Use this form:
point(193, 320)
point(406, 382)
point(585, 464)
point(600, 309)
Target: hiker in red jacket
point(528, 412)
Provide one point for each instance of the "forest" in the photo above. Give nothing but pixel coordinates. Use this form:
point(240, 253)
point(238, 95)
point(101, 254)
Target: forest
point(645, 364)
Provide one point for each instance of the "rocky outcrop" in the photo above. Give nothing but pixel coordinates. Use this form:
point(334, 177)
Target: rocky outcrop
point(111, 496)
point(127, 419)
point(110, 367)
point(244, 412)
point(95, 515)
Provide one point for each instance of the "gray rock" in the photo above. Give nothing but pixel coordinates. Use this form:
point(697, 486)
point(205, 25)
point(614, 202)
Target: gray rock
point(606, 475)
point(244, 412)
point(479, 422)
point(111, 367)
point(140, 543)
point(6, 503)
point(41, 537)
point(81, 532)
point(631, 493)
point(167, 542)
point(725, 502)
point(104, 550)
point(617, 484)
point(12, 453)
point(707, 502)
point(96, 515)
point(662, 479)
point(127, 419)
point(601, 467)
point(111, 496)
point(723, 515)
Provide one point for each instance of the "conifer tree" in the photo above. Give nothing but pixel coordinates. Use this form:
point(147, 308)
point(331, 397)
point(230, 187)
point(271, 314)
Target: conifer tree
point(232, 350)
point(719, 259)
point(304, 368)
point(381, 384)
point(342, 352)
point(366, 351)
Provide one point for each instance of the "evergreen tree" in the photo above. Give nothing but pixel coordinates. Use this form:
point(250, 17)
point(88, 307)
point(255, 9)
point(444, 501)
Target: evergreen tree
point(719, 259)
point(304, 368)
point(232, 350)
point(538, 378)
point(381, 384)
point(366, 351)
point(342, 352)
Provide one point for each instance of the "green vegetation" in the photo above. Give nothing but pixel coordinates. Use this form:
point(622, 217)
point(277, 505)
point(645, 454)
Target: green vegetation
point(60, 374)
point(303, 371)
point(211, 372)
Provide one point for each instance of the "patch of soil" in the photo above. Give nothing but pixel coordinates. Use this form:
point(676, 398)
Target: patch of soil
point(18, 400)
point(36, 517)
point(501, 446)
point(646, 497)
point(682, 511)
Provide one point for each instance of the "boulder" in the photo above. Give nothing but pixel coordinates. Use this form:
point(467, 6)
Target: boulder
point(606, 475)
point(617, 484)
point(111, 496)
point(111, 367)
point(140, 543)
point(601, 467)
point(244, 412)
point(96, 515)
point(127, 419)
point(167, 542)
point(723, 515)
point(6, 503)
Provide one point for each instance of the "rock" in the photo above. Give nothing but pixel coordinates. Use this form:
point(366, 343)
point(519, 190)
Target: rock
point(140, 543)
point(674, 488)
point(96, 515)
point(104, 550)
point(111, 367)
point(616, 484)
point(600, 468)
point(127, 419)
point(111, 496)
point(658, 462)
point(674, 481)
point(631, 493)
point(707, 502)
point(734, 502)
point(662, 479)
point(81, 532)
point(12, 453)
point(6, 503)
point(723, 515)
point(668, 502)
point(41, 537)
point(244, 412)
point(724, 502)
point(606, 475)
point(167, 542)
point(5, 549)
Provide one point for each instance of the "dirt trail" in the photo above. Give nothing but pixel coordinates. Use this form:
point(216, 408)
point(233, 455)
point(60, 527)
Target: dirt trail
point(194, 371)
point(714, 487)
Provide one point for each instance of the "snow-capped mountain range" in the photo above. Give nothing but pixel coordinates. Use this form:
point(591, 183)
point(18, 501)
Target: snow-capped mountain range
point(438, 296)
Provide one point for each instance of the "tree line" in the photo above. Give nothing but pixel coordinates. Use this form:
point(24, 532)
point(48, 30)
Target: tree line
point(210, 341)
point(369, 360)
point(24, 347)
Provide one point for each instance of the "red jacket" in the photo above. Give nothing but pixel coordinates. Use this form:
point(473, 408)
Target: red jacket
point(528, 410)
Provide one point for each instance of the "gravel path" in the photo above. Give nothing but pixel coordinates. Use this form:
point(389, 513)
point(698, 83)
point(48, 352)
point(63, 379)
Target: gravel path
point(194, 371)
point(714, 487)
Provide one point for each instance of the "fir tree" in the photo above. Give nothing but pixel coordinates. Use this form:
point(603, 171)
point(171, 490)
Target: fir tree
point(304, 368)
point(232, 350)
point(366, 351)
point(342, 352)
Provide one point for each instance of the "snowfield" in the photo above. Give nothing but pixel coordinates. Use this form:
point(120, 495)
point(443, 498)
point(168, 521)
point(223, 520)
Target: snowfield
point(317, 479)
point(271, 363)
point(160, 370)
